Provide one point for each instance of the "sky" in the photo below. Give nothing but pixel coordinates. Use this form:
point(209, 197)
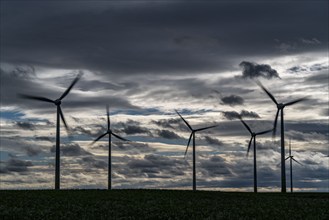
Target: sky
point(146, 59)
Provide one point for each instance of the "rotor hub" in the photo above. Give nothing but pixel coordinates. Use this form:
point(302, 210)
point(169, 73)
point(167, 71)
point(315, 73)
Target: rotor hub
point(280, 106)
point(58, 102)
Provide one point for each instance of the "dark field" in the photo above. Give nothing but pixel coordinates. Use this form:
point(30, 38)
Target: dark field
point(160, 204)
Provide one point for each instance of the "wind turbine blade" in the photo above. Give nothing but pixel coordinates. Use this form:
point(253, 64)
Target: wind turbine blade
point(245, 124)
point(188, 144)
point(264, 132)
point(99, 138)
point(287, 158)
point(249, 145)
point(296, 101)
point(267, 92)
point(275, 123)
point(121, 138)
point(188, 125)
point(296, 161)
point(289, 147)
point(71, 86)
point(108, 117)
point(39, 98)
point(63, 118)
point(201, 129)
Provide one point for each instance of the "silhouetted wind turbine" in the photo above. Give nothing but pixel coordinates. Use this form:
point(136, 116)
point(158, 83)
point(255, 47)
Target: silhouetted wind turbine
point(60, 114)
point(253, 137)
point(110, 133)
point(291, 159)
point(280, 107)
point(193, 131)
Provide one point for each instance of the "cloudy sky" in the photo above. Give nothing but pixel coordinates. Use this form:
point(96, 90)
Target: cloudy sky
point(146, 59)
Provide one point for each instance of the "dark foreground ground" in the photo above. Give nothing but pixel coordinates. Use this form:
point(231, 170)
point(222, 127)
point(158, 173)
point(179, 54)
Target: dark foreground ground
point(160, 204)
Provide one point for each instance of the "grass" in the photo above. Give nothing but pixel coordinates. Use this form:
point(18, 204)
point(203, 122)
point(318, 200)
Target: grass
point(160, 204)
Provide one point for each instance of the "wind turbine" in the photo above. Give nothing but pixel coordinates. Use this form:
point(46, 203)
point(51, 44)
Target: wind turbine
point(193, 131)
point(60, 114)
point(110, 133)
point(291, 159)
point(253, 137)
point(280, 107)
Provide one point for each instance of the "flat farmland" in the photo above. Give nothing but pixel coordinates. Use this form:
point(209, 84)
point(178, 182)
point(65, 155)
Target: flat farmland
point(160, 204)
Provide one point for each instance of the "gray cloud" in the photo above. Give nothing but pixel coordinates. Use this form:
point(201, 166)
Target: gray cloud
point(12, 85)
point(254, 70)
point(132, 147)
point(33, 151)
point(235, 115)
point(187, 41)
point(72, 149)
point(25, 125)
point(213, 141)
point(167, 123)
point(232, 100)
point(44, 138)
point(15, 165)
point(167, 134)
point(92, 162)
point(310, 41)
point(215, 166)
point(134, 129)
point(154, 166)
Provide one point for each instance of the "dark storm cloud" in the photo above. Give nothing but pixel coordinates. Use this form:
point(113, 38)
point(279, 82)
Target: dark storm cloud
point(72, 149)
point(244, 114)
point(15, 165)
point(185, 37)
point(167, 134)
point(254, 70)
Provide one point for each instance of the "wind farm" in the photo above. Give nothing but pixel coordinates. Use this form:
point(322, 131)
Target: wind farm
point(164, 109)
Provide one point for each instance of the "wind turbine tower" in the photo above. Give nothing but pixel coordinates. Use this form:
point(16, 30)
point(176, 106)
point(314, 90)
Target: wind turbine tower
point(193, 131)
point(253, 137)
point(110, 133)
point(280, 107)
point(60, 114)
point(291, 159)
